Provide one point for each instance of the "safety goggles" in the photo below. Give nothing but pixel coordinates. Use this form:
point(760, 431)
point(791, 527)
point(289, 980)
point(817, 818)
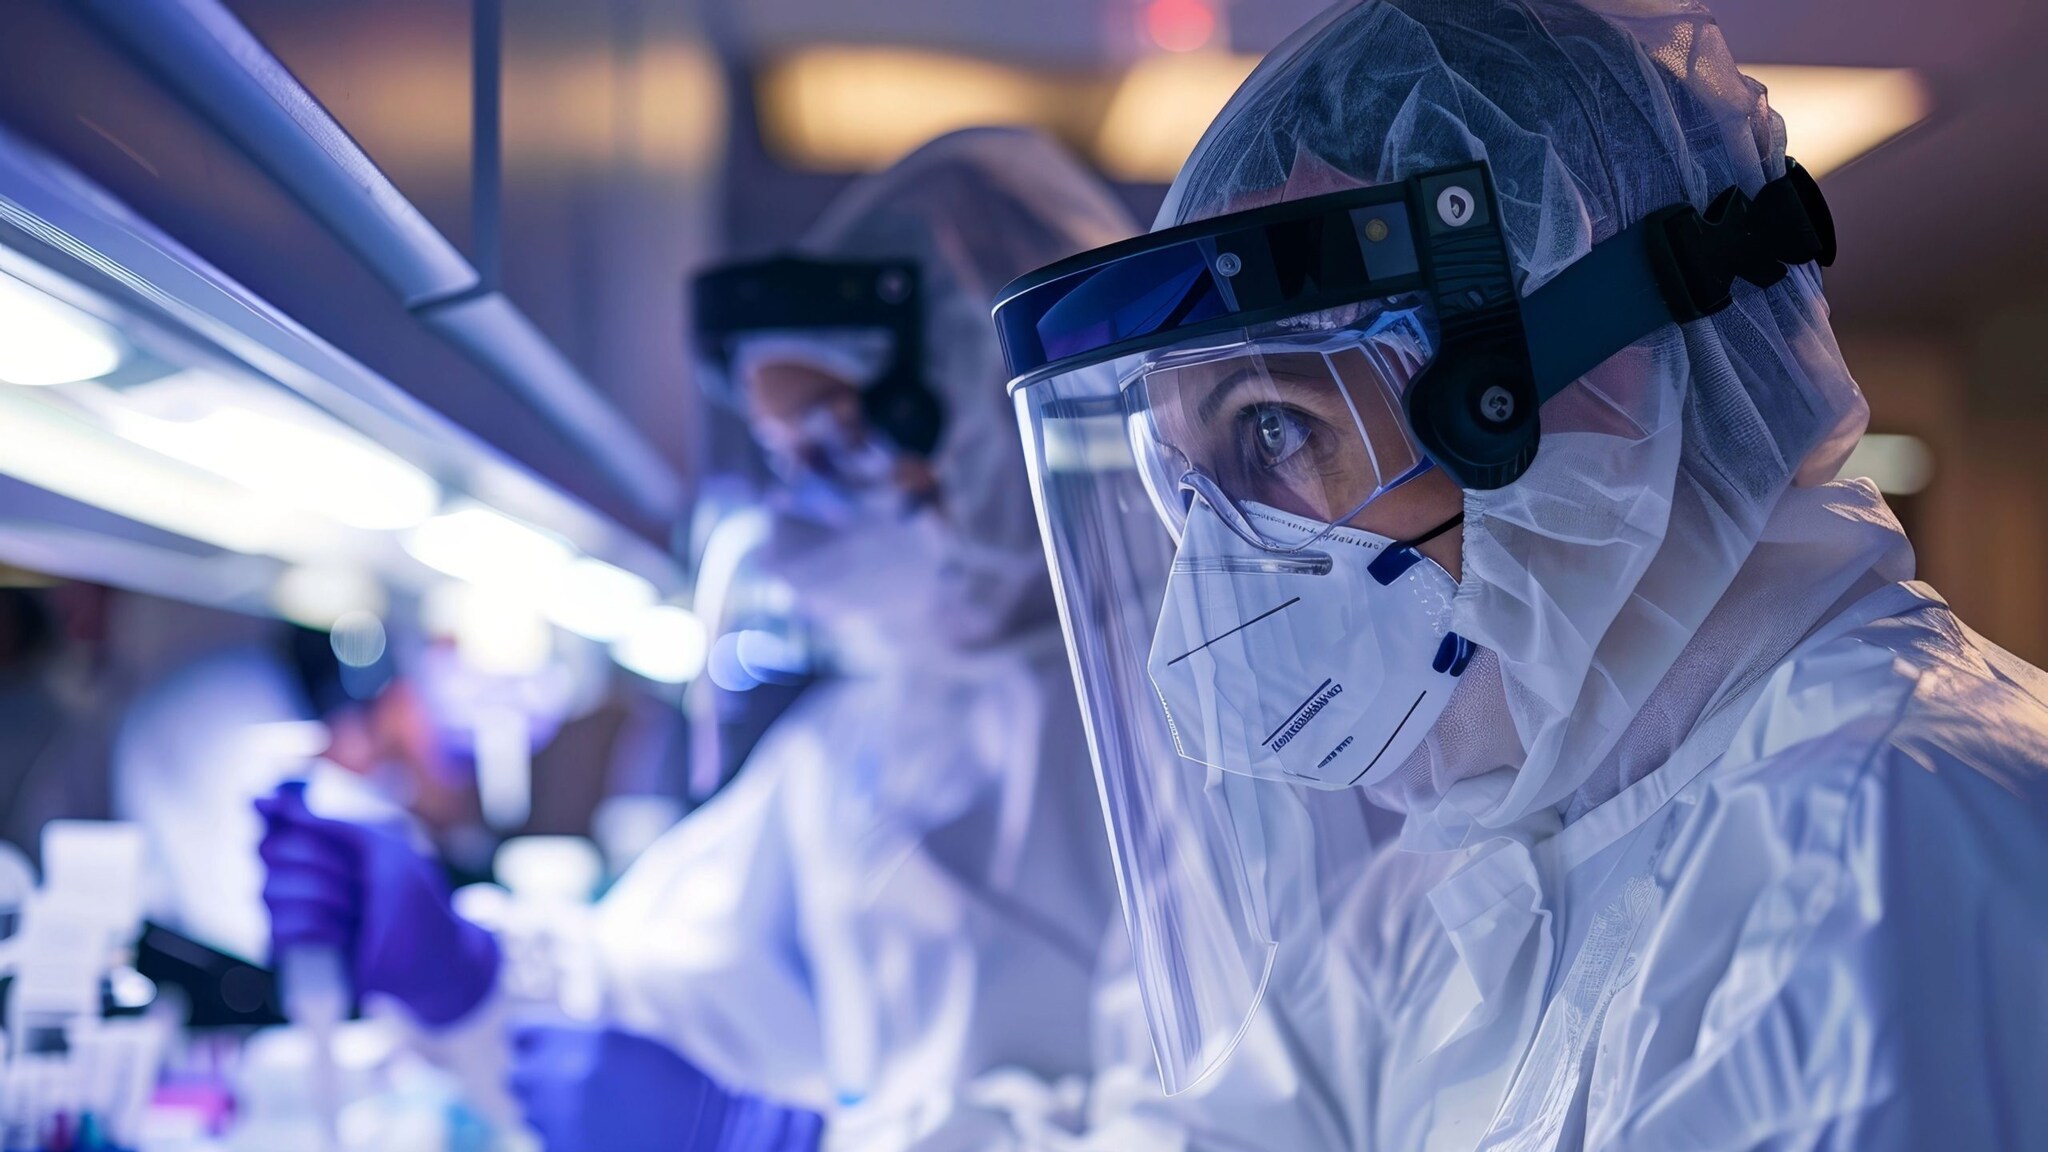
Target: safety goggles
point(1308, 426)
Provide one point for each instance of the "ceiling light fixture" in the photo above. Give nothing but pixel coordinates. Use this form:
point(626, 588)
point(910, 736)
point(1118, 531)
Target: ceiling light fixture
point(1834, 115)
point(44, 341)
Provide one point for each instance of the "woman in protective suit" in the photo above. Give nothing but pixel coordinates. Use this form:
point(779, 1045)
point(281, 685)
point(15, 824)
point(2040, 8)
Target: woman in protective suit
point(1480, 417)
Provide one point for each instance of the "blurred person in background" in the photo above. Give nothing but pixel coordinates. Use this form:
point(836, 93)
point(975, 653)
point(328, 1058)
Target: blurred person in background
point(892, 919)
point(195, 749)
point(1721, 830)
point(899, 893)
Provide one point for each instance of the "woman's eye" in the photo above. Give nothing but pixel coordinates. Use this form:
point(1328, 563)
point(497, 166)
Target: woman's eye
point(1275, 433)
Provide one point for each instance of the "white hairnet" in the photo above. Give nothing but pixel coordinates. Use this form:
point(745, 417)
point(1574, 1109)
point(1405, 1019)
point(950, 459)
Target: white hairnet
point(977, 209)
point(1587, 577)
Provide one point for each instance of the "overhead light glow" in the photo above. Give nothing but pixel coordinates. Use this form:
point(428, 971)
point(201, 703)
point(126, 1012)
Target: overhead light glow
point(1898, 465)
point(598, 601)
point(311, 463)
point(316, 596)
point(494, 633)
point(1162, 108)
point(665, 644)
point(44, 341)
point(849, 109)
point(488, 548)
point(1180, 25)
point(1834, 115)
point(54, 449)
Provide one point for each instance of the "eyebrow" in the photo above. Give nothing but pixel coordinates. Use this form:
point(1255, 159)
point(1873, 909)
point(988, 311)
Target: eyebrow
point(1213, 402)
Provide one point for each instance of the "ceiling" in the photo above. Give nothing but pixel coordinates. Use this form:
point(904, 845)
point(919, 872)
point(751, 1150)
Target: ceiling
point(1935, 225)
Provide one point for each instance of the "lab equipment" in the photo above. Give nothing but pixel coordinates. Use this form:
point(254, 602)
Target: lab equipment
point(551, 972)
point(73, 1078)
point(315, 989)
point(366, 891)
point(392, 1099)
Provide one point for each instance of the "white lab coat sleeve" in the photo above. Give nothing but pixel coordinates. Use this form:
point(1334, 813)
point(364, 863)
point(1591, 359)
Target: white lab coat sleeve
point(699, 947)
point(1914, 1014)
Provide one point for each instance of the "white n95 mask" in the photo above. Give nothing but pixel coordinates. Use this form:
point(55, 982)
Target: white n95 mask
point(1315, 667)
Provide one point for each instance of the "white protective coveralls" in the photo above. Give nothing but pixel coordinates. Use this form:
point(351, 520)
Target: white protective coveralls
point(1733, 836)
point(895, 913)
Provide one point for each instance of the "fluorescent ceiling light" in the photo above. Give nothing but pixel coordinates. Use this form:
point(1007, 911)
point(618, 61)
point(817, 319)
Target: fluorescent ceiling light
point(53, 448)
point(490, 549)
point(305, 459)
point(1898, 465)
point(1834, 115)
point(852, 109)
point(598, 601)
point(44, 341)
point(1162, 108)
point(665, 644)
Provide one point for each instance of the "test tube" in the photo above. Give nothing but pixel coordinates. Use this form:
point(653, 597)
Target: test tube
point(316, 995)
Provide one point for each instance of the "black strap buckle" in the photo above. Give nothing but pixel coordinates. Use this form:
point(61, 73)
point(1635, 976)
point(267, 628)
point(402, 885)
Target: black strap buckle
point(1697, 256)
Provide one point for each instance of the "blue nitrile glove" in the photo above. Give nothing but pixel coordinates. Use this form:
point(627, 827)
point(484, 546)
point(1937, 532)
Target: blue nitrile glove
point(597, 1089)
point(755, 1125)
point(367, 892)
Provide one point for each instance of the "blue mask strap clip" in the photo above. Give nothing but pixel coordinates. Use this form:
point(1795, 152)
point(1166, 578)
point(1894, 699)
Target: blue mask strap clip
point(1398, 557)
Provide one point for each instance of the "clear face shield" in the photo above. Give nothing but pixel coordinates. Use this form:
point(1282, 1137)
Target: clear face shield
point(1211, 496)
point(1240, 433)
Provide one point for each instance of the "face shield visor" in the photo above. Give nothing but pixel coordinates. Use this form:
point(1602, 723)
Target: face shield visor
point(1229, 427)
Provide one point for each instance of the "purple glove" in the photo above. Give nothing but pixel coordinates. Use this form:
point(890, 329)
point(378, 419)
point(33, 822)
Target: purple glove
point(755, 1125)
point(364, 891)
point(601, 1090)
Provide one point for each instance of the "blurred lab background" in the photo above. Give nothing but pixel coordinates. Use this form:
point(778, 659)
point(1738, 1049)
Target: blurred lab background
point(346, 408)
